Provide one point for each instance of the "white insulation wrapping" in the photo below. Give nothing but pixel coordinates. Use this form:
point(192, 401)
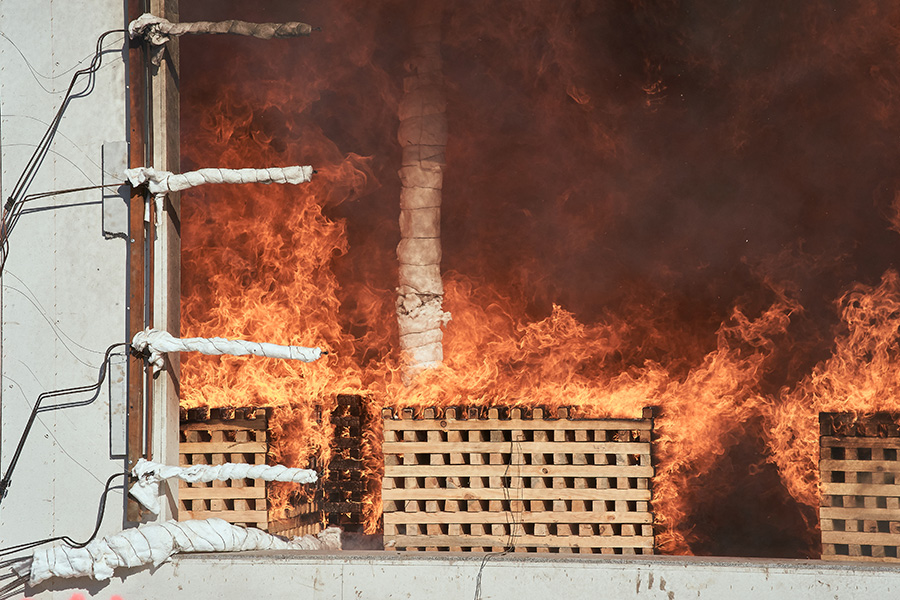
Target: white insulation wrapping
point(154, 543)
point(423, 138)
point(163, 182)
point(158, 30)
point(159, 343)
point(160, 183)
point(149, 474)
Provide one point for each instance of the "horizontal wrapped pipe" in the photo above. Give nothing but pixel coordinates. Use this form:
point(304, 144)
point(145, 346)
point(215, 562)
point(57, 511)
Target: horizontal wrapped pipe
point(154, 543)
point(149, 474)
point(156, 343)
point(158, 30)
point(159, 183)
point(163, 182)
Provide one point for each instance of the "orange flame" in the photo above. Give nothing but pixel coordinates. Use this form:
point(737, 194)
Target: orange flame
point(606, 246)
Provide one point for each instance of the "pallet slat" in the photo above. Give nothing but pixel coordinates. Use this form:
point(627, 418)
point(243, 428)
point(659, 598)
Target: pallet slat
point(527, 425)
point(859, 537)
point(524, 540)
point(523, 517)
point(864, 442)
point(224, 447)
point(521, 494)
point(230, 425)
point(874, 466)
point(237, 516)
point(874, 514)
point(860, 489)
point(526, 447)
point(221, 493)
point(519, 470)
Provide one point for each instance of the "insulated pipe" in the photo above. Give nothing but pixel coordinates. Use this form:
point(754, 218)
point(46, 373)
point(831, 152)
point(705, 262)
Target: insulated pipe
point(149, 474)
point(157, 343)
point(160, 183)
point(423, 138)
point(158, 30)
point(154, 543)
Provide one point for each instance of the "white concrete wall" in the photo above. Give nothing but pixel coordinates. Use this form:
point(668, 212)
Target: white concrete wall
point(372, 576)
point(64, 286)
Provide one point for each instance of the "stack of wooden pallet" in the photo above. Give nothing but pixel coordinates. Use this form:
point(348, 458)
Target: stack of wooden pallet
point(528, 480)
point(303, 517)
point(215, 437)
point(238, 435)
point(345, 486)
point(860, 475)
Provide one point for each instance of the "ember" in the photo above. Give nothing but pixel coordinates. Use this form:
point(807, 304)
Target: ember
point(643, 204)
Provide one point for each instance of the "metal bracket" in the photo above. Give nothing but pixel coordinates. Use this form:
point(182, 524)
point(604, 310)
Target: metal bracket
point(115, 200)
point(118, 405)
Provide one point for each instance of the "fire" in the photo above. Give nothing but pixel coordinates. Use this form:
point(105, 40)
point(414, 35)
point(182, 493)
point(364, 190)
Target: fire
point(861, 377)
point(638, 211)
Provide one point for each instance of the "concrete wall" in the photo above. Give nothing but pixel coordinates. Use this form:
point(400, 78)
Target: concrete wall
point(371, 576)
point(64, 285)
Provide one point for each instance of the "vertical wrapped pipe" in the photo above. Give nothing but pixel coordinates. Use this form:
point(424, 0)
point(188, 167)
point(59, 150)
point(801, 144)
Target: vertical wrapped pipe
point(423, 138)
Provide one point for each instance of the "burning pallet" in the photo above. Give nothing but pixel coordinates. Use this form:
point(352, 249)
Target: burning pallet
point(345, 485)
point(529, 480)
point(860, 501)
point(238, 435)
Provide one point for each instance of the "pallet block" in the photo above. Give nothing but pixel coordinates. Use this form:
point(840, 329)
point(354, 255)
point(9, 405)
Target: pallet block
point(528, 480)
point(860, 495)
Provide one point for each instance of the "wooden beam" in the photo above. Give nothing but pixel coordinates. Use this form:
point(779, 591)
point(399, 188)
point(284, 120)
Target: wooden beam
point(137, 102)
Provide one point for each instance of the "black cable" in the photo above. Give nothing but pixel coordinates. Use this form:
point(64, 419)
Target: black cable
point(101, 510)
point(12, 588)
point(15, 588)
point(38, 408)
point(34, 162)
point(511, 521)
point(13, 210)
point(40, 151)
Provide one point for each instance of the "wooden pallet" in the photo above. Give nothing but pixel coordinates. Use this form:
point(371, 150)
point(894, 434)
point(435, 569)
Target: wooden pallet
point(528, 480)
point(304, 518)
point(345, 485)
point(239, 435)
point(860, 475)
point(226, 435)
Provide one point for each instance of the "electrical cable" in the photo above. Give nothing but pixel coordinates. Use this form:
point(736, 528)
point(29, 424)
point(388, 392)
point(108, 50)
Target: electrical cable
point(11, 588)
point(12, 211)
point(511, 522)
point(64, 538)
point(39, 408)
point(15, 588)
point(34, 163)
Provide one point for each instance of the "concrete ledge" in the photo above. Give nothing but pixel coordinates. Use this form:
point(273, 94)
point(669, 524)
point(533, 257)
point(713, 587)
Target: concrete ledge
point(444, 576)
